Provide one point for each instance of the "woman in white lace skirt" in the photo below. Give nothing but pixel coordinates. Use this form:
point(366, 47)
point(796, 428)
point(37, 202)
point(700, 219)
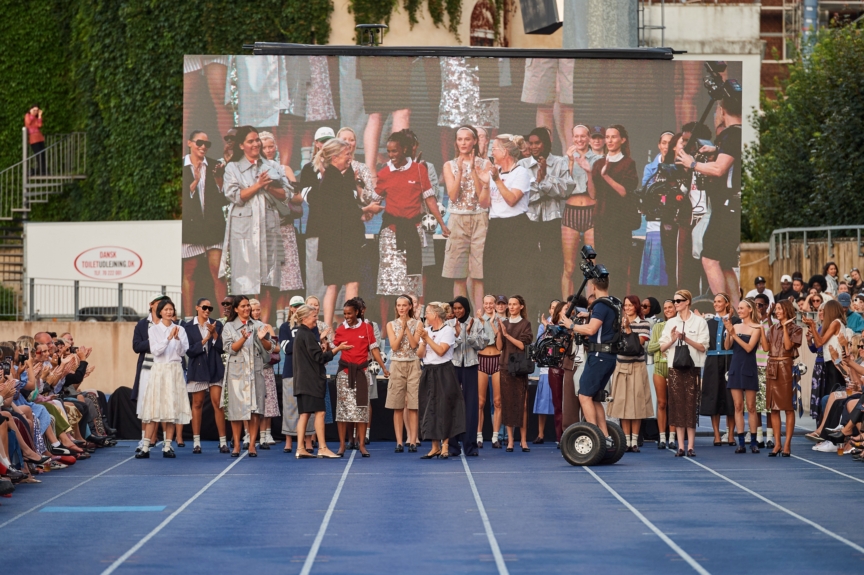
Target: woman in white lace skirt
point(165, 399)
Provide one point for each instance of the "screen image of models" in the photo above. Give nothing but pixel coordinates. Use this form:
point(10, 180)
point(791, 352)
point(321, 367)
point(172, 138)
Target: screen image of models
point(451, 175)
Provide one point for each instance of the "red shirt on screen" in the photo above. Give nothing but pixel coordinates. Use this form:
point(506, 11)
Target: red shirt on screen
point(403, 188)
point(361, 336)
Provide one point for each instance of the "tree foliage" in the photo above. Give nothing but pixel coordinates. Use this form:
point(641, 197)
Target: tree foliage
point(114, 69)
point(808, 168)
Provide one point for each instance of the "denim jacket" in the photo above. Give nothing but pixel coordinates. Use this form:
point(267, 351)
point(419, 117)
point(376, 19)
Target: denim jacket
point(470, 341)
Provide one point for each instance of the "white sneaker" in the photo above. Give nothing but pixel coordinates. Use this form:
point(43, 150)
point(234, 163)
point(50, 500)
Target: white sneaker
point(725, 437)
point(825, 447)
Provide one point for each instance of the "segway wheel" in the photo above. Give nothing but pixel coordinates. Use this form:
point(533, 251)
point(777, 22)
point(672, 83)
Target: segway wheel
point(583, 444)
point(619, 444)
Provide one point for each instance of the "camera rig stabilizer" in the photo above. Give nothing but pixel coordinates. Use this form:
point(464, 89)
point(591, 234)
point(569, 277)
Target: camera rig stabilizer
point(551, 349)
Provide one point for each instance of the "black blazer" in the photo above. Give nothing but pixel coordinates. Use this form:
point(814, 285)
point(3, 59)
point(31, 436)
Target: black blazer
point(205, 227)
point(205, 362)
point(141, 346)
point(309, 361)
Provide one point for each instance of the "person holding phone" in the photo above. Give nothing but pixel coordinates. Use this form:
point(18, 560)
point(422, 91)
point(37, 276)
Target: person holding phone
point(165, 399)
point(247, 342)
point(254, 186)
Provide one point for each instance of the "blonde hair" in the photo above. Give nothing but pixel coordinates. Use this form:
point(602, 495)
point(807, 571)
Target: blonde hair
point(25, 341)
point(438, 309)
point(446, 307)
point(301, 312)
point(347, 129)
point(685, 294)
point(513, 145)
point(267, 136)
point(253, 301)
point(311, 297)
point(754, 314)
point(331, 148)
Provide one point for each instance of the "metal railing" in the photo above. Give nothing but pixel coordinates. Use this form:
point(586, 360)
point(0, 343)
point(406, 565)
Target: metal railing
point(779, 246)
point(37, 176)
point(70, 300)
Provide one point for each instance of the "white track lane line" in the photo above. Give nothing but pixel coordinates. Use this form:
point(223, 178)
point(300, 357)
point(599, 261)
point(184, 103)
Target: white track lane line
point(34, 508)
point(313, 552)
point(829, 469)
point(122, 559)
point(490, 535)
point(801, 518)
point(665, 538)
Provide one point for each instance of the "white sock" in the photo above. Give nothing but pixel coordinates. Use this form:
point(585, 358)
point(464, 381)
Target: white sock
point(634, 439)
point(166, 446)
point(268, 437)
point(663, 437)
point(671, 437)
point(55, 444)
point(145, 445)
point(627, 440)
point(196, 441)
point(222, 440)
point(747, 437)
point(479, 436)
point(769, 434)
point(494, 436)
point(367, 434)
point(246, 437)
point(759, 434)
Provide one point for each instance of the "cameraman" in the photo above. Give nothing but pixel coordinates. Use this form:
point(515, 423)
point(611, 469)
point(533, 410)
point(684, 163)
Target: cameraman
point(719, 253)
point(599, 365)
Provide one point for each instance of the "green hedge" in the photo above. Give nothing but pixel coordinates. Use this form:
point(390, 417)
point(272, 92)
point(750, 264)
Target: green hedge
point(114, 69)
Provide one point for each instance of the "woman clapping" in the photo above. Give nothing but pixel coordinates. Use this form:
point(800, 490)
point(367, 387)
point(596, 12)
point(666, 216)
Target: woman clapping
point(442, 407)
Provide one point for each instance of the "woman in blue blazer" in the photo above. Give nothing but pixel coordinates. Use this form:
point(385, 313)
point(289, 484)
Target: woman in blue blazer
point(205, 370)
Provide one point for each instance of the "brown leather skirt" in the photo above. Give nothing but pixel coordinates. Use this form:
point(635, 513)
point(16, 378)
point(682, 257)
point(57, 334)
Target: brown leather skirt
point(778, 384)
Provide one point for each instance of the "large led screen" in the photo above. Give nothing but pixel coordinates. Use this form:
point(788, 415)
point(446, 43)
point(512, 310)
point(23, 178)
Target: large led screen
point(443, 176)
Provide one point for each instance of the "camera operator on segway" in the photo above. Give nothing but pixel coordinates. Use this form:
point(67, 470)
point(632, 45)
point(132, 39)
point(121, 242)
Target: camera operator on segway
point(598, 329)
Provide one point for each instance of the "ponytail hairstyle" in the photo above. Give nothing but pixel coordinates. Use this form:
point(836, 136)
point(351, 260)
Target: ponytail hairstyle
point(329, 150)
point(513, 145)
point(524, 311)
point(622, 131)
point(240, 137)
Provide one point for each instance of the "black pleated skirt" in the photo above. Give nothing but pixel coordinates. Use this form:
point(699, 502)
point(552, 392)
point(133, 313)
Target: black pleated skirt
point(442, 407)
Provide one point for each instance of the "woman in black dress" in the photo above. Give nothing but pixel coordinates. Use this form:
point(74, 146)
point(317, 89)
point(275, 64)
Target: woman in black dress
point(335, 206)
point(716, 399)
point(310, 379)
point(743, 339)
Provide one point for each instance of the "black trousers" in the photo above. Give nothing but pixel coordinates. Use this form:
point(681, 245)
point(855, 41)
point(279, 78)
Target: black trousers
point(38, 149)
point(467, 377)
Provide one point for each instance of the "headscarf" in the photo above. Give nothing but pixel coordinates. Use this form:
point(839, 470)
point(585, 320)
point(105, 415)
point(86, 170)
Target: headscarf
point(465, 304)
point(655, 308)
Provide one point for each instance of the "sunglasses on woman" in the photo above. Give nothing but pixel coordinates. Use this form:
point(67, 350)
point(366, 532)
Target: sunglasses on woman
point(678, 300)
point(646, 306)
point(205, 143)
point(208, 307)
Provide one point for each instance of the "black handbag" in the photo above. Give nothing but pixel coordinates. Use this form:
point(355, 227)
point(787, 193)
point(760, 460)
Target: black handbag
point(631, 345)
point(519, 365)
point(682, 359)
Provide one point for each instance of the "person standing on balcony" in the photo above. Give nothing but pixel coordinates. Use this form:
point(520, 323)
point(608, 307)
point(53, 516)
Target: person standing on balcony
point(33, 123)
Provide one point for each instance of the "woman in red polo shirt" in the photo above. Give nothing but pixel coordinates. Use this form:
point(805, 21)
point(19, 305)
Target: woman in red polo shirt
point(352, 385)
point(404, 184)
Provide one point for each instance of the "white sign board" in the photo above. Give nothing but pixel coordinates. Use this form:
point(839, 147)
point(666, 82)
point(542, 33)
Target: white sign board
point(143, 256)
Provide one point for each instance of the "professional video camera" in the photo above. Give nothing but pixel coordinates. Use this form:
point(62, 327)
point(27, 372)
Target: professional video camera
point(718, 90)
point(665, 197)
point(556, 343)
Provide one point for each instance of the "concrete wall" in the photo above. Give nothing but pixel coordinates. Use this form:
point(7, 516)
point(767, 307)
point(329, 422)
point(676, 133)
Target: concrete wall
point(111, 342)
point(707, 28)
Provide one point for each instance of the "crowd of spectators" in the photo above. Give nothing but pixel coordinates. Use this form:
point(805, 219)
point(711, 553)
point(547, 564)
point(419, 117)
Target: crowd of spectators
point(49, 419)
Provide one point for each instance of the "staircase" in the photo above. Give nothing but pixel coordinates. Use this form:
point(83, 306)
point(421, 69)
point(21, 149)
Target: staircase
point(31, 181)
